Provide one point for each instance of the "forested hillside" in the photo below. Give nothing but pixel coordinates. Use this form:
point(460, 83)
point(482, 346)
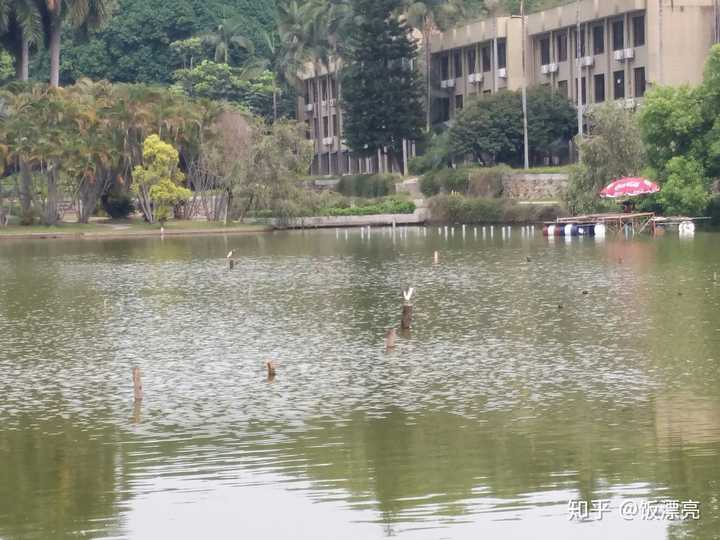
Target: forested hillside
point(135, 45)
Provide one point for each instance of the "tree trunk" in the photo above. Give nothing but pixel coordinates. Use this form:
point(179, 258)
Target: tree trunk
point(427, 77)
point(51, 205)
point(25, 188)
point(55, 33)
point(275, 102)
point(22, 64)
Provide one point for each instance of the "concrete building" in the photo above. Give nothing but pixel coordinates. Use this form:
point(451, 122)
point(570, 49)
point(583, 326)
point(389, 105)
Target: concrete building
point(626, 46)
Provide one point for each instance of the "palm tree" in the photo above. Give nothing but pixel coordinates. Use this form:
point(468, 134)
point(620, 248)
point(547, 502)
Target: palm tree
point(21, 26)
point(84, 15)
point(428, 16)
point(226, 34)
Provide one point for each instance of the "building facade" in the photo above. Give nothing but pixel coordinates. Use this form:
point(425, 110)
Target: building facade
point(625, 47)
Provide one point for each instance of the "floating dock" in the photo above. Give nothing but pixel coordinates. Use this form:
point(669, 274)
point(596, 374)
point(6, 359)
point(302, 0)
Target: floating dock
point(607, 224)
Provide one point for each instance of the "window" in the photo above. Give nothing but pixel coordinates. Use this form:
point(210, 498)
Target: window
point(324, 89)
point(333, 88)
point(619, 84)
point(308, 94)
point(487, 92)
point(562, 47)
point(326, 126)
point(458, 102)
point(545, 51)
point(486, 62)
point(316, 132)
point(582, 44)
point(640, 82)
point(457, 64)
point(444, 67)
point(618, 31)
point(599, 88)
point(472, 60)
point(502, 54)
point(598, 40)
point(563, 88)
point(335, 124)
point(639, 30)
point(583, 90)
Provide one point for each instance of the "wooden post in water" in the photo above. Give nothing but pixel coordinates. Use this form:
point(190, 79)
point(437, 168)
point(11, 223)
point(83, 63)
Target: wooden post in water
point(390, 339)
point(406, 320)
point(271, 370)
point(436, 258)
point(137, 385)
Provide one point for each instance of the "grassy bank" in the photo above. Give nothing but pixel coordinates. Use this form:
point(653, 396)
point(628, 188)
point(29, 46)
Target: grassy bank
point(126, 228)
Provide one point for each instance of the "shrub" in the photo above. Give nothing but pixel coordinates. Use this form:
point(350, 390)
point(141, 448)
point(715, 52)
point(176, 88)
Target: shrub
point(487, 182)
point(367, 185)
point(117, 204)
point(446, 180)
point(456, 209)
point(435, 154)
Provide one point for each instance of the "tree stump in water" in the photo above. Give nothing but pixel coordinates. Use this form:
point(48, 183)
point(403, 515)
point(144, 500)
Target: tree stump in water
point(271, 370)
point(137, 384)
point(406, 321)
point(390, 339)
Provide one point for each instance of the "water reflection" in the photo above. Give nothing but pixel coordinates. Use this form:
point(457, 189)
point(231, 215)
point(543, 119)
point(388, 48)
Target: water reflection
point(493, 412)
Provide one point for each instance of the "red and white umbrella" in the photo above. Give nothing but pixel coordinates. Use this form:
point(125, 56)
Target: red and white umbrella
point(629, 187)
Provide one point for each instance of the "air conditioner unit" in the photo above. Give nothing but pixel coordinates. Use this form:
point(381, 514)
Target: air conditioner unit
point(502, 73)
point(443, 84)
point(629, 54)
point(327, 141)
point(450, 83)
point(588, 61)
point(332, 102)
point(545, 70)
point(309, 107)
point(553, 68)
point(630, 103)
point(475, 77)
point(619, 55)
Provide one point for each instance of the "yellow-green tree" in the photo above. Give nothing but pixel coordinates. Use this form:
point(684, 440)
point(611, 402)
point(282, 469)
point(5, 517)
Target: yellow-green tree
point(157, 182)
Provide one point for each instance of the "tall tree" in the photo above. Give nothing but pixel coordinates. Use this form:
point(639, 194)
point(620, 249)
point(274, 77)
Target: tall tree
point(20, 27)
point(382, 92)
point(84, 15)
point(227, 33)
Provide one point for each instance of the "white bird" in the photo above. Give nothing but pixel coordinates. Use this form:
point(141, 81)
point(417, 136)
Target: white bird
point(230, 254)
point(408, 294)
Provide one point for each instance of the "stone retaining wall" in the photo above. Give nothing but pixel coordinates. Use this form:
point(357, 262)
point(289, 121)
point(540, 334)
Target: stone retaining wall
point(529, 187)
point(416, 218)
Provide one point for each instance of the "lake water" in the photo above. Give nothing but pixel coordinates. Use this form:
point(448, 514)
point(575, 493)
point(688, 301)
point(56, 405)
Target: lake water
point(497, 409)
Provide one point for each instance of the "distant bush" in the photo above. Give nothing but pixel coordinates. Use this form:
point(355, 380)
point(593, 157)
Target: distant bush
point(367, 185)
point(117, 204)
point(456, 208)
point(306, 203)
point(435, 154)
point(445, 181)
point(487, 181)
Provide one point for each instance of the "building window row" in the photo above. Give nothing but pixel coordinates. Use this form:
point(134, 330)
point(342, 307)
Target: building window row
point(598, 40)
point(618, 86)
point(452, 66)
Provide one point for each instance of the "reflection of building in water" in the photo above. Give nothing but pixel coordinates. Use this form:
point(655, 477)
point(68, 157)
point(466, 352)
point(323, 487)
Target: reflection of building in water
point(685, 419)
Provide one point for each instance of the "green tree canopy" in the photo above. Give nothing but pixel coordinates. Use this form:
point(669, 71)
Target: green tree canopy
point(612, 149)
point(490, 128)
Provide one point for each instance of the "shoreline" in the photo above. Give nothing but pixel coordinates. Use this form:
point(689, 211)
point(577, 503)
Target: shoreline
point(121, 235)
